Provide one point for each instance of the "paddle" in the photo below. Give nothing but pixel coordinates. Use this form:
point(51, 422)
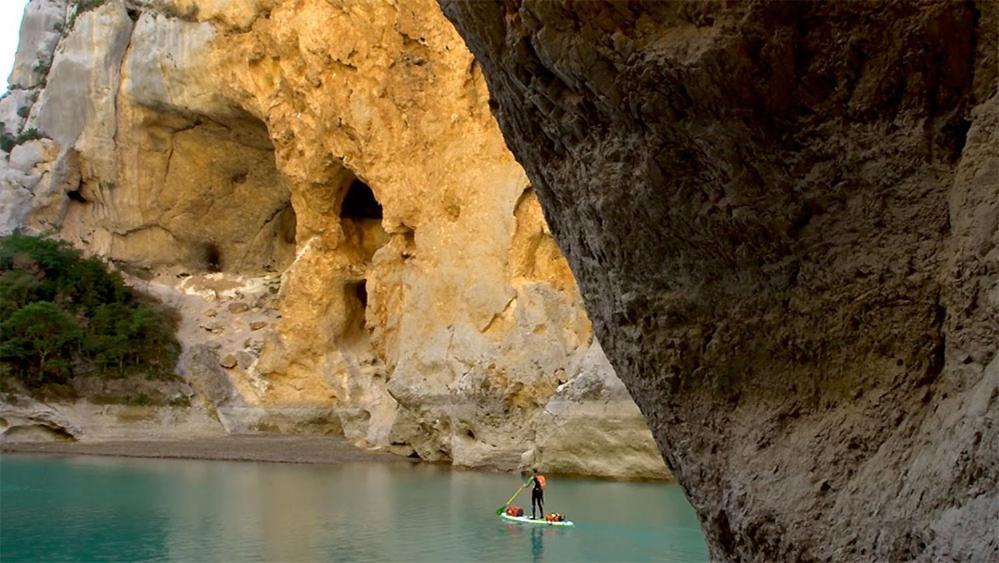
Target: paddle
point(502, 508)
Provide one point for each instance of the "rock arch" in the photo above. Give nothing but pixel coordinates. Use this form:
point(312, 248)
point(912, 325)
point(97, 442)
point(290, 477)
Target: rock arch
point(771, 210)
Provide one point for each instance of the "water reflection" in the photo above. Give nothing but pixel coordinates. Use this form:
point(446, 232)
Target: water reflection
point(535, 535)
point(108, 509)
point(282, 513)
point(537, 545)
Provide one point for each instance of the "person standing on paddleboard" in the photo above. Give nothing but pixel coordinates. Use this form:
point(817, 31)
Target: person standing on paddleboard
point(538, 493)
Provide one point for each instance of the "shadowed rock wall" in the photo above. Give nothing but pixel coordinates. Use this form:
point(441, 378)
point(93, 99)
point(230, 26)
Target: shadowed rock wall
point(783, 219)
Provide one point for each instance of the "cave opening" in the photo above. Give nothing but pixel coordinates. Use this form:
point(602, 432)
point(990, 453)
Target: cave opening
point(363, 234)
point(212, 257)
point(357, 310)
point(360, 202)
point(361, 292)
point(361, 220)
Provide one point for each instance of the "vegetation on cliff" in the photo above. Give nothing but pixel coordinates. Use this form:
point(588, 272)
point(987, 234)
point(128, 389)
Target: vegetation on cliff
point(8, 142)
point(63, 314)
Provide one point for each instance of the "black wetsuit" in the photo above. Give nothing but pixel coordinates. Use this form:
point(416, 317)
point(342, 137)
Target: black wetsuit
point(537, 498)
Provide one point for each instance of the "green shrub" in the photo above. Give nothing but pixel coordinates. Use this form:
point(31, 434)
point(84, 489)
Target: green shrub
point(188, 14)
point(86, 5)
point(62, 314)
point(8, 142)
point(42, 67)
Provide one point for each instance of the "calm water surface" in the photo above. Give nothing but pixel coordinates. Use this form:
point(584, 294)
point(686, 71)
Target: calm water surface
point(108, 509)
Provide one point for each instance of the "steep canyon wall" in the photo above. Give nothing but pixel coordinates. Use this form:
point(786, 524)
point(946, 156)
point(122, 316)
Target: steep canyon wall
point(784, 220)
point(321, 191)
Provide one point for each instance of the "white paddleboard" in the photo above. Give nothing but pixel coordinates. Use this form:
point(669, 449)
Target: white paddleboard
point(526, 520)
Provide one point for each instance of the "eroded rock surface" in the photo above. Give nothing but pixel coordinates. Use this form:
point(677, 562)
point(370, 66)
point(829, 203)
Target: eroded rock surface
point(23, 419)
point(783, 218)
point(319, 188)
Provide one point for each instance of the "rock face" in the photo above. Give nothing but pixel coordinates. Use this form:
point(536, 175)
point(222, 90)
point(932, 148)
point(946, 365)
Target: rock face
point(570, 441)
point(784, 221)
point(25, 419)
point(321, 191)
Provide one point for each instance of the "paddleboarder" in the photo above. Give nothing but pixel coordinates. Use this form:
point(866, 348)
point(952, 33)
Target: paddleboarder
point(538, 493)
point(513, 513)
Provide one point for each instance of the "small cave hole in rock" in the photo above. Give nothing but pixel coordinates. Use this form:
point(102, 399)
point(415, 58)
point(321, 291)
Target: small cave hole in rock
point(361, 224)
point(356, 294)
point(470, 434)
point(361, 292)
point(361, 218)
point(360, 202)
point(958, 135)
point(212, 257)
point(77, 196)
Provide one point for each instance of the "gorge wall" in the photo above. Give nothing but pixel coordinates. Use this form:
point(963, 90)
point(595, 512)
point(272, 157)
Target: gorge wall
point(784, 220)
point(320, 190)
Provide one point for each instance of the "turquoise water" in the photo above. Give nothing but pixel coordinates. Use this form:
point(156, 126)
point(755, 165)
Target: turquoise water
point(110, 509)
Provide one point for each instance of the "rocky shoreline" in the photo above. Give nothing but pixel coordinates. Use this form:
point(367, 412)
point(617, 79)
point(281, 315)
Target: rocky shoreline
point(262, 448)
point(569, 445)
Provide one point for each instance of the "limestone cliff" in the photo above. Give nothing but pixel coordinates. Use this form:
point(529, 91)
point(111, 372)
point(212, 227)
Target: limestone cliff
point(320, 189)
point(784, 219)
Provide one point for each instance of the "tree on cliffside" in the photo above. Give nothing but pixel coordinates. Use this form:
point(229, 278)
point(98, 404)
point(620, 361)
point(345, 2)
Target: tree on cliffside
point(123, 335)
point(38, 339)
point(64, 314)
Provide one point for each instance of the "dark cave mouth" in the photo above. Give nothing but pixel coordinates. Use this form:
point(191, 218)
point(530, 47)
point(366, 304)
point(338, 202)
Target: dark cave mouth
point(211, 257)
point(361, 220)
point(76, 196)
point(361, 293)
point(360, 202)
